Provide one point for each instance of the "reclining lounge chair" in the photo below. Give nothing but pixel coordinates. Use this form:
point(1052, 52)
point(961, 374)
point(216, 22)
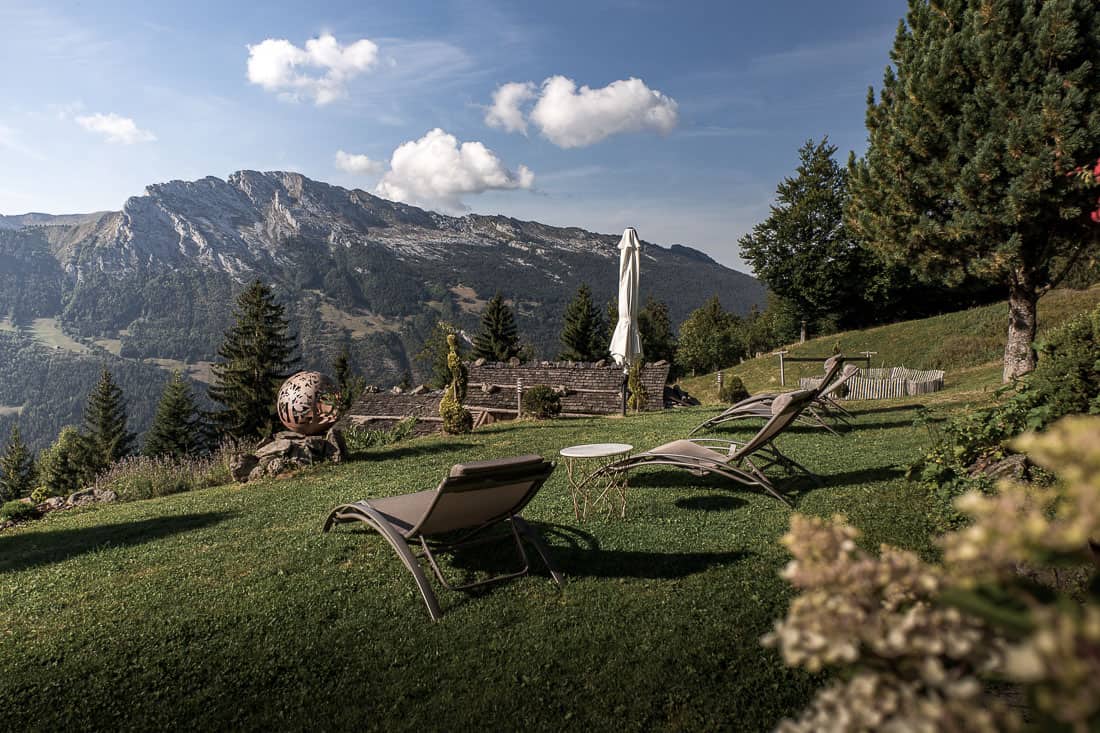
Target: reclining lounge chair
point(741, 462)
point(822, 406)
point(472, 498)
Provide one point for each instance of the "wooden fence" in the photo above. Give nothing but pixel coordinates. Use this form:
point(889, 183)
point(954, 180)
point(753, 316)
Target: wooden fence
point(879, 384)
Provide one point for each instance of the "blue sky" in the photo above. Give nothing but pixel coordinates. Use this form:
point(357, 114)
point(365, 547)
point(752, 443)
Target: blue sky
point(99, 99)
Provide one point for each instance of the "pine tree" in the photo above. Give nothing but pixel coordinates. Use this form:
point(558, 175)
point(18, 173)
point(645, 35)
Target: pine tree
point(583, 331)
point(253, 362)
point(984, 113)
point(105, 434)
point(803, 251)
point(349, 384)
point(497, 340)
point(66, 466)
point(177, 429)
point(16, 468)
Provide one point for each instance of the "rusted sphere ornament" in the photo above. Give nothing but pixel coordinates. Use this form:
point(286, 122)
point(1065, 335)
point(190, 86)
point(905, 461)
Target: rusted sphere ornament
point(308, 403)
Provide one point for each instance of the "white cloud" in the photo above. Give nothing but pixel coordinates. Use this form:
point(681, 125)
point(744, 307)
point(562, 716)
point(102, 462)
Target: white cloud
point(575, 118)
point(436, 171)
point(115, 128)
point(506, 112)
point(358, 163)
point(278, 65)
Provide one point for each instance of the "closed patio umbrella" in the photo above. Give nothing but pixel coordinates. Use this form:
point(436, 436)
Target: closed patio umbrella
point(626, 342)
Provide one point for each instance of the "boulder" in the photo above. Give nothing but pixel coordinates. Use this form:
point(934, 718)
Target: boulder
point(82, 497)
point(1015, 467)
point(336, 450)
point(276, 447)
point(241, 466)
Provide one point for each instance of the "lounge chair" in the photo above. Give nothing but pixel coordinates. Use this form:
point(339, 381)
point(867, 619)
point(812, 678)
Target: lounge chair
point(472, 498)
point(741, 462)
point(821, 407)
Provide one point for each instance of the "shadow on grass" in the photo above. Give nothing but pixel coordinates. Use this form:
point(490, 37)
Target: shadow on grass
point(892, 408)
point(863, 476)
point(393, 452)
point(712, 503)
point(21, 551)
point(578, 555)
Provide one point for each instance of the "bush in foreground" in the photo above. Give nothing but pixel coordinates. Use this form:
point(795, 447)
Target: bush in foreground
point(923, 644)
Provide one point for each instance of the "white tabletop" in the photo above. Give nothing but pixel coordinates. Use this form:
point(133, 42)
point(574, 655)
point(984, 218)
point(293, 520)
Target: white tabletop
point(596, 450)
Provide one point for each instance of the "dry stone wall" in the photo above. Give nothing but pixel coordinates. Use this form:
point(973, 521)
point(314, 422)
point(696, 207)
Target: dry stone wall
point(586, 389)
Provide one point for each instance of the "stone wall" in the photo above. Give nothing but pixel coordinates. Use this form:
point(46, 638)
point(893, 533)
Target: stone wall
point(383, 410)
point(588, 389)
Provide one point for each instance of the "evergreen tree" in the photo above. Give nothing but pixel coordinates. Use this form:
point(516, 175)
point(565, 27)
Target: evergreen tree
point(984, 113)
point(348, 383)
point(253, 361)
point(497, 340)
point(655, 328)
point(66, 466)
point(105, 434)
point(177, 429)
point(583, 334)
point(709, 339)
point(16, 468)
point(803, 251)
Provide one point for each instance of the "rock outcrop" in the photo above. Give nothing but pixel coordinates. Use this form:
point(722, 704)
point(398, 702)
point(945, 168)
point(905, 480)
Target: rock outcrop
point(288, 451)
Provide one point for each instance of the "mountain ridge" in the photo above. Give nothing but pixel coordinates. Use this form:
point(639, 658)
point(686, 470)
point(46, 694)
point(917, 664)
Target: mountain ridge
point(153, 284)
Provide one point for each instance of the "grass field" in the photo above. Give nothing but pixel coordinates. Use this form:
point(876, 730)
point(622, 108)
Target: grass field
point(227, 607)
point(955, 342)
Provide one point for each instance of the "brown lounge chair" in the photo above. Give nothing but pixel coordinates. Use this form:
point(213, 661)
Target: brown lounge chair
point(732, 459)
point(472, 498)
point(822, 406)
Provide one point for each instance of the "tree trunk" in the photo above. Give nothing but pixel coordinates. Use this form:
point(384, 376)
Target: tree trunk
point(1019, 356)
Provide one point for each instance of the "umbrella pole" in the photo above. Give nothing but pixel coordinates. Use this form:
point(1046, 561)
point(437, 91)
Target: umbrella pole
point(626, 373)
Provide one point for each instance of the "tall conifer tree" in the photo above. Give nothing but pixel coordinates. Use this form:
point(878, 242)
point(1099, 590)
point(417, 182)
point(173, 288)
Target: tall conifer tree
point(177, 429)
point(16, 468)
point(985, 111)
point(497, 340)
point(105, 434)
point(253, 361)
point(583, 333)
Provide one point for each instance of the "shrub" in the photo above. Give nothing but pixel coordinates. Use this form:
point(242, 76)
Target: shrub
point(144, 477)
point(1065, 381)
point(40, 494)
point(541, 401)
point(733, 390)
point(638, 395)
point(359, 438)
point(17, 511)
point(456, 418)
point(939, 641)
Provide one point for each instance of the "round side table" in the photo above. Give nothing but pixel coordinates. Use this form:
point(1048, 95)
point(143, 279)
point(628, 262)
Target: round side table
point(588, 487)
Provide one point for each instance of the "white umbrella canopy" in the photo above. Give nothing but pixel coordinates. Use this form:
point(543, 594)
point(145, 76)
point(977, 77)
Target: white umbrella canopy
point(626, 342)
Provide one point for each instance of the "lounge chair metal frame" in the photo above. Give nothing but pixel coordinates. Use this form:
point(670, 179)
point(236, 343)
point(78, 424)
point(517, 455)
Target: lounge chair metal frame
point(821, 407)
point(470, 477)
point(736, 461)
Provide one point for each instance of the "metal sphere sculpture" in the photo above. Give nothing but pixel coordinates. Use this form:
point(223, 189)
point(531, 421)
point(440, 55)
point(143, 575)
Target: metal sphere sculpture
point(308, 403)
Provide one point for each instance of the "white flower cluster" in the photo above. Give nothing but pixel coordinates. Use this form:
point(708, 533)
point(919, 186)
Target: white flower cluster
point(921, 637)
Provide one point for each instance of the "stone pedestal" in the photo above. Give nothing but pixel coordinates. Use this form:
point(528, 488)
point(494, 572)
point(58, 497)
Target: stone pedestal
point(287, 451)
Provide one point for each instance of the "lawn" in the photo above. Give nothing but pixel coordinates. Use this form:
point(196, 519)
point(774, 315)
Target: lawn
point(227, 608)
point(956, 342)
